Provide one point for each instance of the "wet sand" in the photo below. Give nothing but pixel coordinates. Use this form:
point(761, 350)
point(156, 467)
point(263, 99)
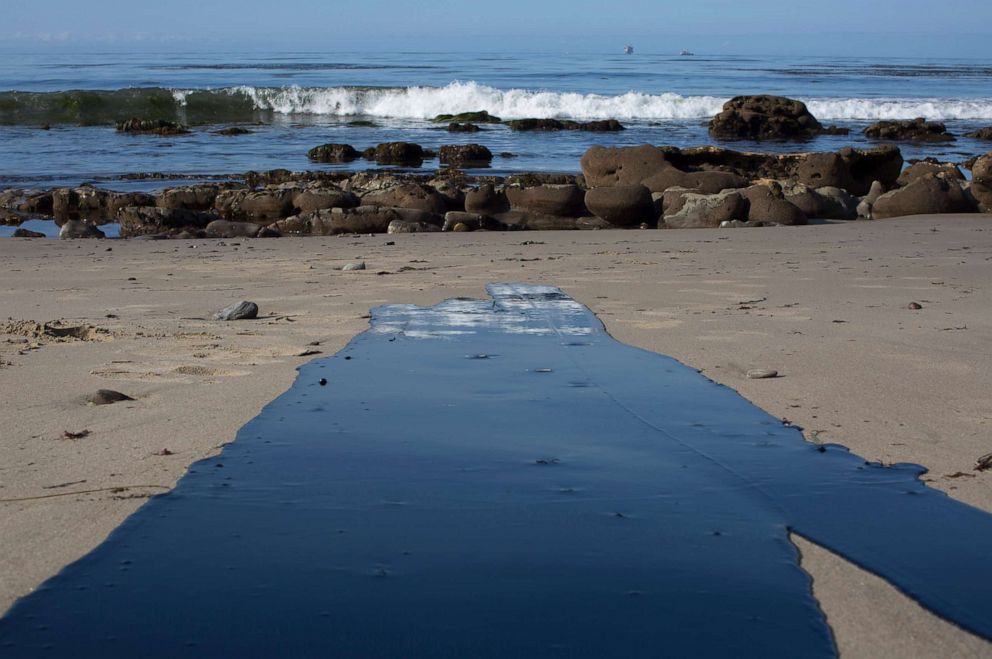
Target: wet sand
point(826, 306)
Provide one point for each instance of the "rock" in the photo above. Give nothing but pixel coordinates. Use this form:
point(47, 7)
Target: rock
point(406, 226)
point(151, 127)
point(560, 200)
point(480, 117)
point(333, 153)
point(733, 224)
point(463, 128)
point(929, 194)
point(262, 206)
point(981, 186)
point(193, 198)
point(85, 202)
point(118, 200)
point(106, 397)
point(227, 229)
point(907, 130)
point(518, 219)
point(818, 170)
point(26, 233)
point(766, 204)
point(883, 163)
point(364, 219)
point(705, 182)
point(608, 125)
point(486, 200)
point(924, 167)
point(761, 374)
point(693, 210)
point(147, 220)
point(604, 166)
point(914, 306)
point(353, 267)
point(73, 229)
point(465, 155)
point(396, 153)
point(764, 117)
point(836, 204)
point(408, 195)
point(243, 310)
point(233, 131)
point(981, 134)
point(622, 205)
point(315, 199)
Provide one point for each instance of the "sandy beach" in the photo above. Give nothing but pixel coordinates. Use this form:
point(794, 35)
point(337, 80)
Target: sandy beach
point(827, 306)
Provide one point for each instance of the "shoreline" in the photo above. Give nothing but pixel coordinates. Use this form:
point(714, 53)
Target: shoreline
point(824, 305)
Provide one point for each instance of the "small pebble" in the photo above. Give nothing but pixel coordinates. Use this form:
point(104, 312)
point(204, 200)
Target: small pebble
point(914, 306)
point(107, 397)
point(761, 374)
point(351, 267)
point(323, 382)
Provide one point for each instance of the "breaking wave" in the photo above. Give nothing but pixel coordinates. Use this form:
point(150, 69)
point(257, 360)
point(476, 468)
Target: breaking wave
point(239, 104)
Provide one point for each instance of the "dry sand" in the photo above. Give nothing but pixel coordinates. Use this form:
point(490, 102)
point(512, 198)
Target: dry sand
point(824, 305)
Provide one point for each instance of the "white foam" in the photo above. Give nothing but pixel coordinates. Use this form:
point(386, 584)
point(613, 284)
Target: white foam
point(424, 103)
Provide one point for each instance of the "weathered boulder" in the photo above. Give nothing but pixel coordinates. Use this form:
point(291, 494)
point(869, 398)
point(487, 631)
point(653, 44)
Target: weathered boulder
point(465, 155)
point(408, 195)
point(622, 205)
point(764, 117)
point(883, 164)
point(560, 200)
point(228, 229)
point(929, 194)
point(118, 200)
point(604, 166)
point(333, 153)
point(315, 199)
point(694, 211)
point(396, 153)
point(243, 310)
point(263, 206)
point(981, 186)
point(193, 197)
point(150, 220)
point(486, 200)
point(924, 167)
point(767, 204)
point(909, 130)
point(73, 229)
point(824, 169)
point(704, 182)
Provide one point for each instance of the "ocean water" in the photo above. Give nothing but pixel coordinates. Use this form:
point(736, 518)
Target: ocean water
point(295, 101)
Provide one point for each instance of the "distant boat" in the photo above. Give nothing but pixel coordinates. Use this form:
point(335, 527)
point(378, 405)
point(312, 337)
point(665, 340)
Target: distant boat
point(687, 53)
point(628, 50)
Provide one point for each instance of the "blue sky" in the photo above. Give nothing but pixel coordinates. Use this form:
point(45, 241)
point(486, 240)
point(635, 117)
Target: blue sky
point(956, 28)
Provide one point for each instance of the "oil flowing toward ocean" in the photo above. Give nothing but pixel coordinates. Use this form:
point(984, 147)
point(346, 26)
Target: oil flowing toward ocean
point(294, 101)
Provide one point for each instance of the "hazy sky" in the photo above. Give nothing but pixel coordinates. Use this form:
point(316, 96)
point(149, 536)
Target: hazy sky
point(954, 28)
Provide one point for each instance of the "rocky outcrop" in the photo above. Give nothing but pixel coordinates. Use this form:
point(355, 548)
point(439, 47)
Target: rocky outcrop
point(909, 130)
point(396, 153)
point(604, 126)
point(981, 134)
point(82, 202)
point(622, 205)
point(981, 185)
point(480, 117)
point(321, 198)
point(465, 155)
point(559, 200)
point(697, 211)
point(194, 197)
point(151, 220)
point(486, 200)
point(768, 205)
point(928, 194)
point(151, 127)
point(364, 219)
point(764, 117)
point(408, 195)
point(260, 206)
point(331, 153)
point(114, 201)
point(924, 167)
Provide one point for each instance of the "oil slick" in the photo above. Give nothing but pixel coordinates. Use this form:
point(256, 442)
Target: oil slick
point(502, 478)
